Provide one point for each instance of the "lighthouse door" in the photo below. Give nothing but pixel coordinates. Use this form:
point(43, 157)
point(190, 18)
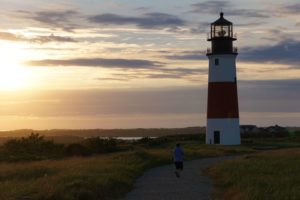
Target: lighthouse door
point(216, 137)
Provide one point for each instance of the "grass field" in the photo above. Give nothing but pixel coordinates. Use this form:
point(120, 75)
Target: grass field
point(267, 175)
point(97, 177)
point(107, 175)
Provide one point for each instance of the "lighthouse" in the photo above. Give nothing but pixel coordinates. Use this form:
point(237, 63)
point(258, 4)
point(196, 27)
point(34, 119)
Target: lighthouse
point(223, 125)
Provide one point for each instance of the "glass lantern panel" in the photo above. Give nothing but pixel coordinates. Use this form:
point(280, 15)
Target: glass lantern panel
point(217, 31)
point(225, 31)
point(221, 31)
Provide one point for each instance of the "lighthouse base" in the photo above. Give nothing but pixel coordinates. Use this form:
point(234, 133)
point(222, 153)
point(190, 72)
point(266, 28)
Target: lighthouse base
point(223, 131)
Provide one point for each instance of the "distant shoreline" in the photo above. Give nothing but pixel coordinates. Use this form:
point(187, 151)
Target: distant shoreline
point(134, 132)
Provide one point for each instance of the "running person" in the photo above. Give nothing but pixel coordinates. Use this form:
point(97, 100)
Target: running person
point(178, 159)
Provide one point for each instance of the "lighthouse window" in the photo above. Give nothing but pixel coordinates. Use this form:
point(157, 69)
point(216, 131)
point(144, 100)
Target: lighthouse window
point(216, 61)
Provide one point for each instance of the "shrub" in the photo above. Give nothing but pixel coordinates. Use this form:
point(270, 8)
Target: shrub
point(152, 142)
point(76, 149)
point(33, 147)
point(98, 145)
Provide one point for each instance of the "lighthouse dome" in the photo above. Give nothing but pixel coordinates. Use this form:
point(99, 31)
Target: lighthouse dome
point(221, 21)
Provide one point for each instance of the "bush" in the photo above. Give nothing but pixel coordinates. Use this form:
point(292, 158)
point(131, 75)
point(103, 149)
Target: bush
point(98, 145)
point(77, 149)
point(152, 142)
point(33, 147)
point(188, 137)
point(297, 133)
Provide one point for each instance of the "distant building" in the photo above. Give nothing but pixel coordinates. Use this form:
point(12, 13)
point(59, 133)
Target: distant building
point(253, 131)
point(248, 129)
point(276, 129)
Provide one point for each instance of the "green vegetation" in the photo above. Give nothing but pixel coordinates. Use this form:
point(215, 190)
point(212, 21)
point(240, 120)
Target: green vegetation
point(267, 175)
point(33, 147)
point(36, 147)
point(74, 134)
point(278, 142)
point(92, 173)
point(98, 177)
point(36, 168)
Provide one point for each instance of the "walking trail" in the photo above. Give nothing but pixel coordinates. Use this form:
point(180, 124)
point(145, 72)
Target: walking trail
point(160, 183)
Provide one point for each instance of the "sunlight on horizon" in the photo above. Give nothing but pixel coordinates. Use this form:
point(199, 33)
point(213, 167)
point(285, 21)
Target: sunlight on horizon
point(125, 64)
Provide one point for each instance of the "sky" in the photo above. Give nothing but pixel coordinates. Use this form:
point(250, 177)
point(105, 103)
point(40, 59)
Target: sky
point(80, 64)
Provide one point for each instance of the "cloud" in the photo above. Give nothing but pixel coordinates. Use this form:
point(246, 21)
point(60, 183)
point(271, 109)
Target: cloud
point(185, 71)
point(284, 52)
point(163, 76)
point(190, 74)
point(9, 36)
point(57, 19)
point(116, 101)
point(150, 69)
point(177, 73)
point(113, 79)
point(250, 24)
point(143, 8)
point(52, 38)
point(290, 9)
point(212, 7)
point(254, 96)
point(284, 84)
point(98, 62)
point(36, 39)
point(188, 55)
point(199, 28)
point(54, 17)
point(269, 95)
point(148, 20)
point(247, 13)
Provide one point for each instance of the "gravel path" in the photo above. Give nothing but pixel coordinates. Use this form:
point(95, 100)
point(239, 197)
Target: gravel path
point(160, 183)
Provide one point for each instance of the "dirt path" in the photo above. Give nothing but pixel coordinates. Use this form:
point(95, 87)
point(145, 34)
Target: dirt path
point(161, 183)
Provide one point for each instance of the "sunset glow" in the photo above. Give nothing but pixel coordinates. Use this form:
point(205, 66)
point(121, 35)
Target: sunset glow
point(141, 60)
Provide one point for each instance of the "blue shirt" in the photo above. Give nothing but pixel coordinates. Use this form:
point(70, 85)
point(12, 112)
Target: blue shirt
point(178, 154)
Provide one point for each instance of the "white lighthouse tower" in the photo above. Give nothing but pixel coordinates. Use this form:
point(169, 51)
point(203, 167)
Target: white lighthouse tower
point(223, 125)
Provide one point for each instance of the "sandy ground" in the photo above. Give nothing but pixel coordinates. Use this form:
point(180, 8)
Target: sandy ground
point(161, 183)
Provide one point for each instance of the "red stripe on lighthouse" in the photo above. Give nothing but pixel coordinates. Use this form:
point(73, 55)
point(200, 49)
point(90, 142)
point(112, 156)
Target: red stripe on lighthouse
point(222, 100)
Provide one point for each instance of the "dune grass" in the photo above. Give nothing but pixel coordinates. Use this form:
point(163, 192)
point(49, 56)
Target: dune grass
point(268, 175)
point(106, 176)
point(97, 177)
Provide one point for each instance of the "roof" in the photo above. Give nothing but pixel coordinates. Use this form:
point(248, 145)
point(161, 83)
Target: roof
point(221, 21)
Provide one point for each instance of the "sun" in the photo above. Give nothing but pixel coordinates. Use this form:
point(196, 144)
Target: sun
point(12, 74)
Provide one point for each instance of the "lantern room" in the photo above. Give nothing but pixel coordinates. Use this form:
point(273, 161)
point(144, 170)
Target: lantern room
point(221, 28)
point(221, 37)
